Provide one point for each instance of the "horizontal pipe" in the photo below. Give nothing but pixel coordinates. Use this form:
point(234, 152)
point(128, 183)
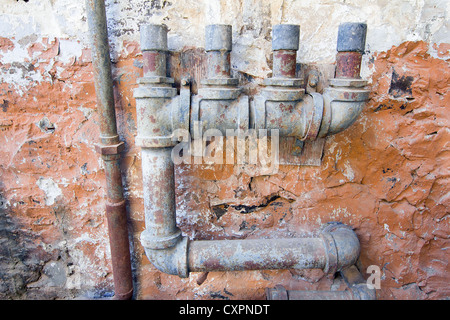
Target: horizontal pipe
point(337, 248)
point(274, 294)
point(256, 254)
point(357, 290)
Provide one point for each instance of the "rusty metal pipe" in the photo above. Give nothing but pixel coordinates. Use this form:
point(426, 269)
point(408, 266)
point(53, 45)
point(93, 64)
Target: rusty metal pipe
point(218, 48)
point(285, 43)
point(256, 254)
point(154, 49)
point(283, 100)
point(350, 46)
point(110, 147)
point(346, 96)
point(357, 290)
point(279, 293)
point(159, 199)
point(335, 249)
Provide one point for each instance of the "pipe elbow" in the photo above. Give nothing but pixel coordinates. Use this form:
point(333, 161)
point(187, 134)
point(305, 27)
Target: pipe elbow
point(342, 246)
point(344, 114)
point(172, 260)
point(342, 106)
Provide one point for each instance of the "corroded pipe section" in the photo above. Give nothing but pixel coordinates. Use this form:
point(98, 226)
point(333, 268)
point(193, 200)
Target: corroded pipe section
point(357, 290)
point(154, 48)
point(350, 46)
point(282, 104)
point(161, 230)
point(218, 48)
point(219, 105)
point(346, 96)
point(256, 254)
point(285, 44)
point(110, 147)
point(280, 293)
point(336, 249)
point(159, 112)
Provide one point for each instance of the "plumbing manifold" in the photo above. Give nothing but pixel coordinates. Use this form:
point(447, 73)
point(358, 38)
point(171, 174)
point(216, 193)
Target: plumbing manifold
point(220, 104)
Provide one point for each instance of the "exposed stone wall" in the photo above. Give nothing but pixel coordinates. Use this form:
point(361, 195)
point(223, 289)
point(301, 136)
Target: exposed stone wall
point(387, 175)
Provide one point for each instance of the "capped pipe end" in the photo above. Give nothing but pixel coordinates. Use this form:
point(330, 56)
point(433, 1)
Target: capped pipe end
point(285, 37)
point(352, 37)
point(218, 37)
point(153, 37)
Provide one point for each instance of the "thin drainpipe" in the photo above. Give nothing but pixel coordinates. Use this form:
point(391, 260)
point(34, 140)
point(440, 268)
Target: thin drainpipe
point(110, 147)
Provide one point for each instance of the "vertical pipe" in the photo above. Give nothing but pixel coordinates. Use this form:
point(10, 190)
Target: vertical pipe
point(154, 49)
point(161, 230)
point(110, 147)
point(285, 42)
point(218, 42)
point(350, 46)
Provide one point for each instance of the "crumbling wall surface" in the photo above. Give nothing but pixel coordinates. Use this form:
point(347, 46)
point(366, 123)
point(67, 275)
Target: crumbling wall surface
point(387, 176)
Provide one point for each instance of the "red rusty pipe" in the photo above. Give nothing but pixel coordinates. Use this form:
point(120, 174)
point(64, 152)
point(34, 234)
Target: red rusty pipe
point(110, 147)
point(348, 64)
point(284, 63)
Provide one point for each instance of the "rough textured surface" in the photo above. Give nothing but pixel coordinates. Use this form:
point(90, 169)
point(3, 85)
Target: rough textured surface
point(387, 176)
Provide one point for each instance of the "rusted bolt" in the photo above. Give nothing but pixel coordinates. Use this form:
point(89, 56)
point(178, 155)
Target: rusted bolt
point(313, 79)
point(184, 82)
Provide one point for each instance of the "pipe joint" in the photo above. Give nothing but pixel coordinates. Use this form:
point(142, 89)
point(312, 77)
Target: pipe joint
point(109, 150)
point(160, 242)
point(342, 106)
point(342, 246)
point(171, 260)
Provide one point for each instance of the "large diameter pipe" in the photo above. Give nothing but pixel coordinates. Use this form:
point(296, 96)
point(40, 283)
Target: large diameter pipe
point(110, 147)
point(256, 254)
point(159, 199)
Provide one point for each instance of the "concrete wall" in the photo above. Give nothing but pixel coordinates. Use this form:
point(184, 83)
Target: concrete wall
point(387, 176)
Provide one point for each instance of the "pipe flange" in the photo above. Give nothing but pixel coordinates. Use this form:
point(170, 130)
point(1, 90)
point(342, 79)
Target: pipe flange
point(348, 94)
point(220, 82)
point(277, 293)
point(143, 92)
point(156, 141)
point(284, 82)
point(219, 93)
point(344, 82)
point(361, 291)
point(282, 94)
point(111, 149)
point(155, 80)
